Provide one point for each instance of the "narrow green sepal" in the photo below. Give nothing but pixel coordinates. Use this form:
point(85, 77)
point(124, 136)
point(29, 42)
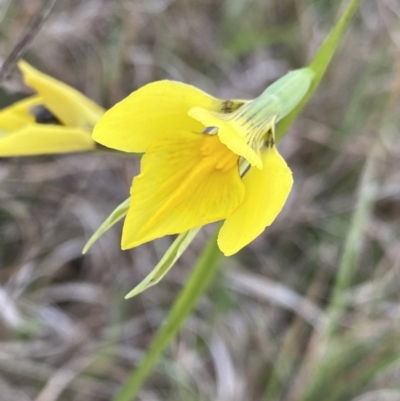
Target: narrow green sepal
point(167, 261)
point(119, 213)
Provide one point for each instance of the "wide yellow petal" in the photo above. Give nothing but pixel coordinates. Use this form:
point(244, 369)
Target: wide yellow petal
point(18, 115)
point(70, 106)
point(266, 194)
point(38, 139)
point(186, 181)
point(232, 132)
point(157, 108)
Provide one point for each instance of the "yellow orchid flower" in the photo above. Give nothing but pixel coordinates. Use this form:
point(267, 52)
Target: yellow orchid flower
point(205, 160)
point(59, 119)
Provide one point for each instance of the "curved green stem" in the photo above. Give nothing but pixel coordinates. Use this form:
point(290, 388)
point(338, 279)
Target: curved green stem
point(320, 63)
point(198, 282)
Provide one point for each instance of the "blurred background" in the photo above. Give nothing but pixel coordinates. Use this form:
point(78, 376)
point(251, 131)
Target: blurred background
point(309, 311)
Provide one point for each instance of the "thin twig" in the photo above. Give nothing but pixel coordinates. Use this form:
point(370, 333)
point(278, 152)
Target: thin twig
point(30, 33)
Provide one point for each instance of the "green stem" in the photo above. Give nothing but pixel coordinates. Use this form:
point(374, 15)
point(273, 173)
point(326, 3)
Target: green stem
point(198, 282)
point(320, 63)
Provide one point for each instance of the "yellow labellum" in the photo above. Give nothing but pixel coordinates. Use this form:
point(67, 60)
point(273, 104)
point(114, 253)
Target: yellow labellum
point(190, 174)
point(187, 180)
point(59, 119)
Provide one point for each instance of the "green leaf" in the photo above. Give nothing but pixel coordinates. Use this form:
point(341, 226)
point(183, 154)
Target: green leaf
point(165, 264)
point(320, 63)
point(198, 282)
point(118, 214)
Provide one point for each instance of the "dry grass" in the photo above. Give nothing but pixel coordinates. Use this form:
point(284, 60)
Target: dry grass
point(261, 333)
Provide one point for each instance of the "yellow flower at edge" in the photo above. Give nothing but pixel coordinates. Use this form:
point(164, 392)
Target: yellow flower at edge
point(58, 119)
point(195, 168)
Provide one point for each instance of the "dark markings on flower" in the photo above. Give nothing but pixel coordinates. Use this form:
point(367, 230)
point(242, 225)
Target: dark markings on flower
point(43, 115)
point(250, 119)
point(246, 169)
point(227, 106)
point(269, 142)
point(211, 131)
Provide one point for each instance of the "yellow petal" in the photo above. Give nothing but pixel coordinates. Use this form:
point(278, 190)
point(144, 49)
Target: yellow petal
point(70, 106)
point(157, 108)
point(186, 181)
point(266, 194)
point(18, 115)
point(39, 139)
point(232, 132)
